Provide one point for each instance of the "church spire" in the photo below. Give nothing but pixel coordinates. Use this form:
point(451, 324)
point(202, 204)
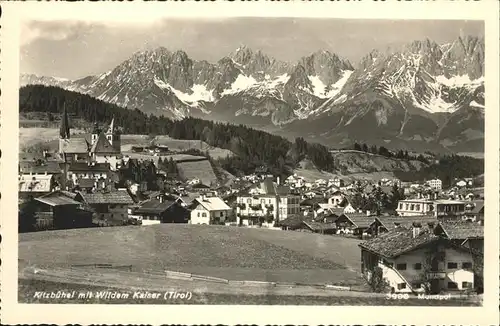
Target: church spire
point(64, 129)
point(111, 126)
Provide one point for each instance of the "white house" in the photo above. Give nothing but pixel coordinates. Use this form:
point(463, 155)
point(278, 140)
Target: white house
point(210, 210)
point(415, 259)
point(274, 203)
point(435, 184)
point(415, 207)
point(336, 199)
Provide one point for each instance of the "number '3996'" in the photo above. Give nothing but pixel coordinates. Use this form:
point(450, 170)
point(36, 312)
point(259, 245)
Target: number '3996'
point(397, 296)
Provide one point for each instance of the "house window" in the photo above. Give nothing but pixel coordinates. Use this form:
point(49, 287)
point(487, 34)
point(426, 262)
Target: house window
point(203, 214)
point(198, 214)
point(401, 206)
point(112, 206)
point(452, 285)
point(262, 201)
point(467, 265)
point(466, 285)
point(401, 286)
point(418, 266)
point(452, 265)
point(412, 207)
point(249, 201)
point(401, 267)
point(417, 207)
point(221, 214)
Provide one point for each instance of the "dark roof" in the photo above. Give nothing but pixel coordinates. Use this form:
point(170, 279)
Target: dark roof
point(462, 230)
point(313, 201)
point(318, 226)
point(360, 220)
point(397, 242)
point(57, 198)
point(292, 220)
point(479, 206)
point(86, 183)
point(73, 145)
point(96, 167)
point(50, 167)
point(29, 157)
point(154, 206)
point(112, 197)
point(390, 222)
point(102, 145)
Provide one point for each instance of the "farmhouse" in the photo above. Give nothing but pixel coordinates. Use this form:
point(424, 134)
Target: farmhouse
point(110, 207)
point(210, 210)
point(161, 209)
point(356, 224)
point(57, 210)
point(416, 259)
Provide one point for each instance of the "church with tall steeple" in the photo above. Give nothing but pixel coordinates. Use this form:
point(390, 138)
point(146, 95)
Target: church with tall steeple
point(104, 147)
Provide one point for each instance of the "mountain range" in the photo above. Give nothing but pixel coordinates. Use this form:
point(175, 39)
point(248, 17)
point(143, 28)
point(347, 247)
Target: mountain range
point(423, 95)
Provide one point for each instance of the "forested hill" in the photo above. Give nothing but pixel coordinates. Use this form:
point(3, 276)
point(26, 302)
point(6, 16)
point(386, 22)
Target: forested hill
point(255, 149)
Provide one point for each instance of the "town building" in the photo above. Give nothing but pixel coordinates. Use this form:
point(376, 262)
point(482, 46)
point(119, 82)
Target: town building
point(105, 147)
point(435, 184)
point(420, 259)
point(439, 208)
point(32, 186)
point(271, 204)
point(210, 210)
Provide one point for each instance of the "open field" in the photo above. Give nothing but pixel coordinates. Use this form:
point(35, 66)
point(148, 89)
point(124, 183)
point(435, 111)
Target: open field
point(472, 154)
point(228, 252)
point(49, 137)
point(46, 136)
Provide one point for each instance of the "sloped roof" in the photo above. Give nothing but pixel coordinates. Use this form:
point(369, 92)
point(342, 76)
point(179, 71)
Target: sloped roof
point(318, 226)
point(154, 206)
point(479, 206)
point(391, 222)
point(102, 145)
point(397, 242)
point(86, 183)
point(293, 220)
point(35, 183)
point(49, 167)
point(96, 167)
point(73, 145)
point(112, 197)
point(213, 203)
point(360, 220)
point(57, 198)
point(462, 230)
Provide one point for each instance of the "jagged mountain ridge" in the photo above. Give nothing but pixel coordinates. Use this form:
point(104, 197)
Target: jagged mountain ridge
point(413, 93)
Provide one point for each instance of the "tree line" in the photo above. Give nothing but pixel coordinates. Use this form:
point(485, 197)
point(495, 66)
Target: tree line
point(400, 154)
point(253, 148)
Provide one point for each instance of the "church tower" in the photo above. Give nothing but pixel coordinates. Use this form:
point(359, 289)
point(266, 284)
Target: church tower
point(113, 136)
point(95, 134)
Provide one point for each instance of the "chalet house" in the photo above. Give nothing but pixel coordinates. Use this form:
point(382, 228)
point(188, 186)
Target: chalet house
point(336, 199)
point(337, 182)
point(31, 186)
point(292, 222)
point(210, 210)
point(200, 187)
point(417, 260)
point(355, 224)
point(474, 211)
point(56, 210)
point(161, 209)
point(110, 207)
point(272, 204)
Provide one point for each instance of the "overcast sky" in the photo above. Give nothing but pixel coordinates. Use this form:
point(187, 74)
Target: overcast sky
point(72, 49)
